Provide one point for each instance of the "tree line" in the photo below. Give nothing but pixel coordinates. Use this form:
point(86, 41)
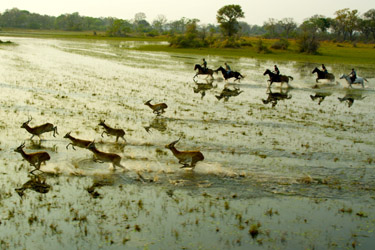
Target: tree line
point(347, 25)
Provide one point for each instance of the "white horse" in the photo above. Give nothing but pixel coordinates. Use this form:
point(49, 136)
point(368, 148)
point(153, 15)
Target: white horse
point(358, 80)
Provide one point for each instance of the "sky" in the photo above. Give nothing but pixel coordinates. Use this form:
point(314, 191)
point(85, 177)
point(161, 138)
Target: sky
point(256, 11)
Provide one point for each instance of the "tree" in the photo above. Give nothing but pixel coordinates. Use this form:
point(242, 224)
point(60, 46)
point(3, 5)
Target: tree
point(159, 23)
point(227, 18)
point(272, 28)
point(288, 26)
point(346, 22)
point(118, 27)
point(140, 23)
point(369, 18)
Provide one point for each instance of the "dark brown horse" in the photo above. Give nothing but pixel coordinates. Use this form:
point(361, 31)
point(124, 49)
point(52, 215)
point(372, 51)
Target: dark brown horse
point(231, 74)
point(277, 78)
point(322, 75)
point(202, 71)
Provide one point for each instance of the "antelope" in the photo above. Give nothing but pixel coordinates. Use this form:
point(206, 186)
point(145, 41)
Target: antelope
point(38, 130)
point(35, 159)
point(157, 108)
point(100, 156)
point(112, 131)
point(76, 142)
point(185, 156)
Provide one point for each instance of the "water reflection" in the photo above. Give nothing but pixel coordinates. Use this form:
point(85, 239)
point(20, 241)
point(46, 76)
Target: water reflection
point(352, 95)
point(158, 123)
point(203, 87)
point(274, 97)
point(37, 145)
point(320, 96)
point(226, 93)
point(36, 183)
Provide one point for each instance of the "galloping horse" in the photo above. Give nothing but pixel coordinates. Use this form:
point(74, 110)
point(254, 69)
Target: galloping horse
point(201, 71)
point(231, 74)
point(358, 80)
point(278, 78)
point(322, 75)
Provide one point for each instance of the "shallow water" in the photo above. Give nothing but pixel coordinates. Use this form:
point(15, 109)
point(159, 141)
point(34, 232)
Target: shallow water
point(299, 171)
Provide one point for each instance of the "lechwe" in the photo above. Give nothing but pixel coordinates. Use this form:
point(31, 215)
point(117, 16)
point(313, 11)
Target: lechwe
point(112, 131)
point(38, 130)
point(76, 142)
point(185, 157)
point(100, 156)
point(35, 159)
point(157, 108)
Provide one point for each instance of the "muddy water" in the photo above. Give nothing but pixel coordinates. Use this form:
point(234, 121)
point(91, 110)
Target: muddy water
point(287, 174)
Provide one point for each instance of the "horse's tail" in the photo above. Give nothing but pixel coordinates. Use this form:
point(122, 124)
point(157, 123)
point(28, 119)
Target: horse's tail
point(241, 75)
point(291, 78)
point(365, 79)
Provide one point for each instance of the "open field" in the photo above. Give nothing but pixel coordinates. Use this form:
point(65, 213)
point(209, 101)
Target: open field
point(298, 174)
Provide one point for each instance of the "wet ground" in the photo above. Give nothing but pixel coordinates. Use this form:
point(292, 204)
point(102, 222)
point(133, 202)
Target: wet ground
point(282, 169)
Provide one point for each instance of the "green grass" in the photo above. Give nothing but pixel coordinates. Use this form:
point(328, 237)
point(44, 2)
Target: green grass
point(329, 52)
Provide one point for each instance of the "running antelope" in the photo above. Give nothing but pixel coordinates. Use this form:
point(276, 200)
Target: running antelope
point(112, 131)
point(157, 108)
point(35, 159)
point(185, 157)
point(100, 156)
point(76, 142)
point(38, 130)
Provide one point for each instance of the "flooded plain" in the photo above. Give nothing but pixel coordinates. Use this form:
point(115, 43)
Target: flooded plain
point(283, 169)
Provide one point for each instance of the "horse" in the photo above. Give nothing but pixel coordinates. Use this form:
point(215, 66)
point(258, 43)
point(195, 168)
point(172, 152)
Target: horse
point(278, 78)
point(358, 80)
point(323, 75)
point(231, 74)
point(202, 71)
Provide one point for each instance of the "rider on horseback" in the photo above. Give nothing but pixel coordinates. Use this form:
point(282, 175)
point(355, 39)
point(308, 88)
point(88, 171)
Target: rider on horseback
point(353, 75)
point(325, 71)
point(227, 68)
point(277, 72)
point(204, 65)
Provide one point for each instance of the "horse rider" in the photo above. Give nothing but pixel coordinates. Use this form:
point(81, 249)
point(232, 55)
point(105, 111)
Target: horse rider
point(204, 65)
point(277, 72)
point(227, 68)
point(353, 75)
point(325, 71)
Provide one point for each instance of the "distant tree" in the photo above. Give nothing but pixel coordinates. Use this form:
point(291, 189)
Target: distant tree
point(227, 18)
point(321, 23)
point(245, 28)
point(140, 23)
point(346, 22)
point(272, 28)
point(118, 27)
point(288, 26)
point(178, 27)
point(369, 18)
point(159, 23)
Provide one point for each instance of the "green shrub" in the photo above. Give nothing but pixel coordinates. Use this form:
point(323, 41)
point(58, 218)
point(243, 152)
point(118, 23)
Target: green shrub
point(308, 44)
point(261, 48)
point(281, 44)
